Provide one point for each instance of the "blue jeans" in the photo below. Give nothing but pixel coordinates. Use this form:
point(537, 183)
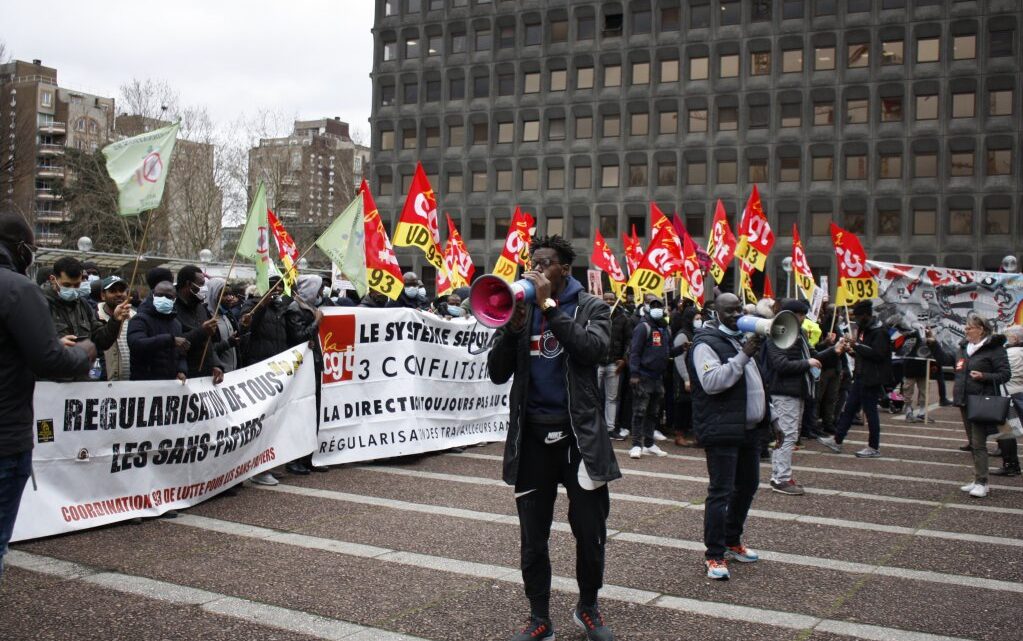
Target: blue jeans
point(14, 473)
point(864, 398)
point(734, 478)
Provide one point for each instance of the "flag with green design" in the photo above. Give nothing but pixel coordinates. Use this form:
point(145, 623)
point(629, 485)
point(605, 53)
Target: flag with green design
point(139, 166)
point(344, 242)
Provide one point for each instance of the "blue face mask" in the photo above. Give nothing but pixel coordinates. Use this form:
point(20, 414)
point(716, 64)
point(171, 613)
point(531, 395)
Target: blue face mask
point(656, 313)
point(455, 311)
point(85, 289)
point(163, 304)
point(68, 293)
point(730, 332)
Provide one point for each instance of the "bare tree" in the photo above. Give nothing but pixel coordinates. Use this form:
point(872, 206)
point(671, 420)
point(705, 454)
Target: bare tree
point(5, 56)
point(91, 200)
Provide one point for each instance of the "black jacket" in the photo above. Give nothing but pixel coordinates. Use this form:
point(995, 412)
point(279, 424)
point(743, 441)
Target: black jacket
point(621, 335)
point(405, 301)
point(78, 318)
point(29, 348)
point(788, 370)
point(991, 360)
point(873, 351)
point(301, 325)
point(192, 316)
point(585, 340)
point(267, 335)
point(154, 354)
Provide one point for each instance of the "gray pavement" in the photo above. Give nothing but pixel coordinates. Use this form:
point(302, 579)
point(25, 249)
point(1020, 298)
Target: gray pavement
point(885, 549)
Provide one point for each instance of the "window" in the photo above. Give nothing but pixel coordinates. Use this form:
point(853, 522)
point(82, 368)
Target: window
point(699, 69)
point(609, 176)
point(820, 223)
point(888, 222)
point(729, 66)
point(925, 165)
point(386, 140)
point(697, 120)
point(641, 73)
point(758, 171)
point(1000, 102)
point(386, 95)
point(582, 178)
point(823, 113)
point(823, 58)
point(964, 105)
point(559, 31)
point(792, 61)
point(408, 139)
point(559, 79)
point(960, 222)
point(479, 181)
point(531, 82)
point(1000, 43)
point(555, 226)
point(699, 16)
point(432, 136)
point(613, 76)
point(481, 86)
point(479, 133)
point(823, 168)
point(927, 107)
point(434, 44)
point(891, 166)
point(788, 171)
point(823, 7)
point(390, 8)
point(791, 114)
point(668, 122)
point(456, 89)
point(669, 71)
point(534, 34)
point(505, 132)
point(456, 135)
point(928, 49)
point(433, 91)
point(857, 6)
point(414, 6)
point(760, 11)
point(891, 109)
point(855, 221)
point(925, 222)
point(891, 52)
point(996, 221)
point(728, 118)
point(454, 183)
point(505, 84)
point(390, 53)
point(410, 93)
point(639, 124)
point(530, 131)
point(584, 78)
point(583, 127)
point(671, 19)
point(792, 9)
point(961, 163)
point(999, 162)
point(484, 40)
point(556, 129)
point(385, 185)
point(457, 43)
point(504, 180)
point(637, 175)
point(760, 63)
point(609, 226)
point(759, 116)
point(731, 13)
point(555, 178)
point(728, 171)
point(641, 21)
point(858, 56)
point(857, 111)
point(585, 27)
point(696, 173)
point(964, 47)
point(581, 226)
point(506, 37)
point(478, 228)
point(856, 167)
point(667, 173)
point(612, 126)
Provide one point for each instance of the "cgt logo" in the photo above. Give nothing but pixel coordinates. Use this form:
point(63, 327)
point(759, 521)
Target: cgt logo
point(337, 341)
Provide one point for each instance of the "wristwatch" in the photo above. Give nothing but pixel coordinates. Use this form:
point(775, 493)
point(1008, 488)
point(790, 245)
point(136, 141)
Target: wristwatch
point(549, 305)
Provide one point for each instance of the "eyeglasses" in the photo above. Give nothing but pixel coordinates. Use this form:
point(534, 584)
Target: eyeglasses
point(544, 263)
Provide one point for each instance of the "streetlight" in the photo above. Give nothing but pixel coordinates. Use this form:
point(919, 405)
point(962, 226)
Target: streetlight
point(205, 256)
point(85, 244)
point(786, 265)
point(1010, 264)
point(303, 264)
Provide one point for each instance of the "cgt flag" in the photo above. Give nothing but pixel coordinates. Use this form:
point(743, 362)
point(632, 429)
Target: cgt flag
point(418, 226)
point(692, 272)
point(855, 282)
point(801, 267)
point(633, 251)
point(457, 260)
point(383, 274)
point(755, 235)
point(516, 246)
point(722, 244)
point(604, 259)
point(344, 242)
point(139, 166)
point(659, 221)
point(254, 243)
point(658, 263)
point(746, 283)
point(286, 249)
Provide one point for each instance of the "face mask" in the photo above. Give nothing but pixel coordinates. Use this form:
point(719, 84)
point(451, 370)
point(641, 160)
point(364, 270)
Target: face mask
point(729, 331)
point(163, 304)
point(697, 324)
point(85, 289)
point(204, 293)
point(92, 277)
point(412, 292)
point(325, 292)
point(657, 313)
point(68, 293)
point(422, 294)
point(455, 311)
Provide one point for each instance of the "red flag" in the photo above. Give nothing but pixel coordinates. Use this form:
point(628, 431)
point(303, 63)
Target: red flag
point(633, 251)
point(457, 259)
point(286, 249)
point(768, 290)
point(855, 281)
point(721, 245)
point(516, 246)
point(755, 235)
point(656, 265)
point(417, 226)
point(692, 272)
point(604, 259)
point(383, 273)
point(659, 221)
point(800, 266)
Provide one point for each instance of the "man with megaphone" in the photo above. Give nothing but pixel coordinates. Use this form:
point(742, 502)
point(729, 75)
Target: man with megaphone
point(552, 343)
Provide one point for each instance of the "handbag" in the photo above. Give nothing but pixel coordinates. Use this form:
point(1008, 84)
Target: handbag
point(1013, 425)
point(993, 409)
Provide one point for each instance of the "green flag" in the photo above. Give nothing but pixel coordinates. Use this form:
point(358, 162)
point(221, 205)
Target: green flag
point(254, 242)
point(344, 242)
point(139, 167)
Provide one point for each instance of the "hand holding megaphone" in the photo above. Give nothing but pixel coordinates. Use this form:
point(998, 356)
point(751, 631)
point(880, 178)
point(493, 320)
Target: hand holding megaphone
point(783, 329)
point(752, 345)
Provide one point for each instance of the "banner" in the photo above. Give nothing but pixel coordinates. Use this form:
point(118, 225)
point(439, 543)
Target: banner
point(721, 245)
point(855, 282)
point(399, 382)
point(138, 166)
point(383, 273)
point(755, 235)
point(516, 246)
point(108, 452)
point(918, 297)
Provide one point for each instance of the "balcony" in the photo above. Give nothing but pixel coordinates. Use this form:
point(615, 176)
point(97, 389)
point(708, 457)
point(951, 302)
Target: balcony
point(53, 128)
point(51, 150)
point(47, 194)
point(51, 216)
point(48, 239)
point(50, 171)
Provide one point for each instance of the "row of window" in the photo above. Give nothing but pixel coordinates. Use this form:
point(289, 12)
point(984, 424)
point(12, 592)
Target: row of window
point(726, 117)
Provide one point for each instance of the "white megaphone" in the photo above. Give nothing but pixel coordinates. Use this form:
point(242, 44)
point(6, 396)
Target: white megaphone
point(492, 300)
point(782, 330)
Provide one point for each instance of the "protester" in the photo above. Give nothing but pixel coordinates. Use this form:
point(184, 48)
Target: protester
point(413, 295)
point(871, 370)
point(648, 359)
point(264, 331)
point(982, 367)
point(199, 328)
point(29, 349)
point(302, 319)
point(914, 377)
point(116, 359)
point(731, 418)
point(607, 371)
point(450, 306)
point(622, 325)
point(155, 338)
point(219, 300)
point(683, 330)
point(375, 300)
point(1008, 447)
point(72, 316)
point(556, 435)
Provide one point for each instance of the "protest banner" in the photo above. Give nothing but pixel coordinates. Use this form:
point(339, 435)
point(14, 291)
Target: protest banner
point(399, 382)
point(107, 452)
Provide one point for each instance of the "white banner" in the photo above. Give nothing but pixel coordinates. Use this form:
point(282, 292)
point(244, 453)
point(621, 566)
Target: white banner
point(399, 381)
point(108, 452)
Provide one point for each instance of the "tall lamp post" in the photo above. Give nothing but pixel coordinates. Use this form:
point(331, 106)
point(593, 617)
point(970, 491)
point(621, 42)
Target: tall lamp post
point(786, 265)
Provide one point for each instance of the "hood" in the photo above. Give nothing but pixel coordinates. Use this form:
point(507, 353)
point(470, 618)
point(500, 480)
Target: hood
point(308, 288)
point(994, 340)
point(214, 287)
point(7, 260)
point(571, 291)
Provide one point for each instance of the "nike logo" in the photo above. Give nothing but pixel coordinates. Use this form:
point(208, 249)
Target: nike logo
point(554, 437)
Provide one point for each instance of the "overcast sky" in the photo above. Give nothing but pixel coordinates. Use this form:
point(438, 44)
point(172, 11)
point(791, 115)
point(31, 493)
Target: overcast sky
point(310, 58)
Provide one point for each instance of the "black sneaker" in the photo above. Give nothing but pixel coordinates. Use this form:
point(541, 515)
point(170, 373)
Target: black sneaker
point(297, 468)
point(536, 629)
point(617, 435)
point(589, 619)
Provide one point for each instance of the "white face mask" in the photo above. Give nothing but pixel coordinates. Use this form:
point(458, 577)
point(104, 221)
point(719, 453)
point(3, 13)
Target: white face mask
point(697, 324)
point(657, 313)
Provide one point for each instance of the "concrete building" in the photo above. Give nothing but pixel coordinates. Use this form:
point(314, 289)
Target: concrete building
point(898, 119)
point(38, 121)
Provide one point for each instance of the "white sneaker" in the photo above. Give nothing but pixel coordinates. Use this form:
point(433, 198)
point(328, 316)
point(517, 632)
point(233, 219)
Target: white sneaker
point(656, 451)
point(979, 491)
point(636, 452)
point(265, 478)
point(623, 432)
point(968, 488)
point(659, 437)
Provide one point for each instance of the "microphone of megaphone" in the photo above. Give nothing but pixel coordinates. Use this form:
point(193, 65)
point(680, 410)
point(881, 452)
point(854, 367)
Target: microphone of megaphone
point(493, 300)
point(782, 330)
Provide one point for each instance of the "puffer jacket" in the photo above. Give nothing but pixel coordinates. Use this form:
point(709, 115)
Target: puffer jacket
point(620, 336)
point(267, 335)
point(873, 351)
point(990, 360)
point(154, 354)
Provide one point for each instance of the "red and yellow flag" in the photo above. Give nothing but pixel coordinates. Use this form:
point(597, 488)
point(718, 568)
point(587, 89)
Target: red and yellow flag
point(659, 221)
point(855, 282)
point(633, 251)
point(768, 288)
point(457, 259)
point(657, 264)
point(721, 246)
point(801, 267)
point(516, 246)
point(746, 283)
point(418, 225)
point(604, 259)
point(383, 273)
point(755, 235)
point(692, 273)
point(286, 249)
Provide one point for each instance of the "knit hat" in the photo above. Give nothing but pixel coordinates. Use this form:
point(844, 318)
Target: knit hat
point(795, 306)
point(862, 308)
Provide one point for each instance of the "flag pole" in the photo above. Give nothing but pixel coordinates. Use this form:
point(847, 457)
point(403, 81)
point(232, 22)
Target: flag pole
point(142, 246)
point(216, 310)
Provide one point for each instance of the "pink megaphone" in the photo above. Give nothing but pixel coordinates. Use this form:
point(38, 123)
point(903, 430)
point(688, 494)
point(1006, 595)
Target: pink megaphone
point(493, 300)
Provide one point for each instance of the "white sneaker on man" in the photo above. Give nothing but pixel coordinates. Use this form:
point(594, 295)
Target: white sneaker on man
point(654, 450)
point(968, 487)
point(979, 491)
point(265, 478)
point(658, 436)
point(636, 452)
